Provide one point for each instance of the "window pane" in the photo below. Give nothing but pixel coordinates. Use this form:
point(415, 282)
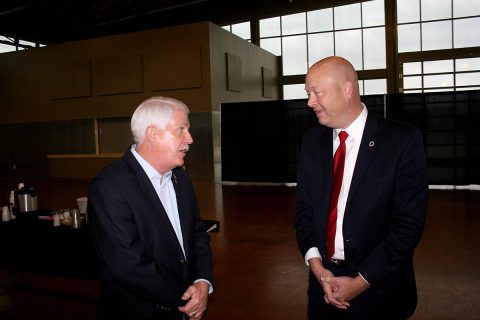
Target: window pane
point(360, 87)
point(6, 48)
point(270, 27)
point(465, 8)
point(294, 55)
point(436, 9)
point(347, 17)
point(408, 11)
point(320, 20)
point(442, 80)
point(412, 82)
point(438, 66)
point(348, 44)
point(228, 28)
point(467, 64)
point(375, 86)
point(412, 68)
point(374, 48)
point(373, 13)
point(468, 79)
point(294, 24)
point(272, 45)
point(294, 91)
point(320, 45)
point(437, 35)
point(242, 30)
point(466, 32)
point(409, 37)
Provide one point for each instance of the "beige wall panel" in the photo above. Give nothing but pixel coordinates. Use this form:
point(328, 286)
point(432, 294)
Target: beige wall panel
point(118, 75)
point(221, 43)
point(71, 80)
point(174, 68)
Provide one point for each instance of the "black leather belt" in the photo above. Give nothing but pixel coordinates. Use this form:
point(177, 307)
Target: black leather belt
point(338, 263)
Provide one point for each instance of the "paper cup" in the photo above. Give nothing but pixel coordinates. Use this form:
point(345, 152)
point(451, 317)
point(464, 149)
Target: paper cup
point(82, 204)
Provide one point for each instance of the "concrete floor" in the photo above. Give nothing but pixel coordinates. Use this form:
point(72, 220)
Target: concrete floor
point(259, 273)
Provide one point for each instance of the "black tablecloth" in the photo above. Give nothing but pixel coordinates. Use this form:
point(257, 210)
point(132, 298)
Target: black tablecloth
point(28, 244)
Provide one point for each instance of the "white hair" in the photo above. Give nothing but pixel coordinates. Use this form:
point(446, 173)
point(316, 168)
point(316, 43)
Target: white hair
point(157, 111)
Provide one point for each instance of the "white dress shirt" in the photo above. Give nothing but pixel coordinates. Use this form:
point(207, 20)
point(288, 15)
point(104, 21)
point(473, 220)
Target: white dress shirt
point(355, 133)
point(166, 193)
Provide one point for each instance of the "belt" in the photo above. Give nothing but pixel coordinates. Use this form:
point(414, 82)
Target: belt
point(338, 263)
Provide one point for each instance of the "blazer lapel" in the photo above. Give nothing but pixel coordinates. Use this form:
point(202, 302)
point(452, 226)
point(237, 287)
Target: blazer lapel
point(365, 153)
point(327, 162)
point(145, 187)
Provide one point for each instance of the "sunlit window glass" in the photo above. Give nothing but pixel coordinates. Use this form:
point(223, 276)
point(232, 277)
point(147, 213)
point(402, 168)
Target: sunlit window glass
point(270, 27)
point(347, 17)
point(375, 86)
point(441, 80)
point(412, 82)
point(294, 55)
point(373, 13)
point(374, 48)
point(438, 66)
point(408, 11)
point(436, 9)
point(466, 32)
point(320, 45)
point(242, 30)
point(320, 20)
point(360, 87)
point(465, 8)
point(348, 44)
point(294, 24)
point(228, 28)
point(294, 91)
point(437, 35)
point(7, 48)
point(272, 45)
point(467, 64)
point(409, 37)
point(468, 79)
point(412, 68)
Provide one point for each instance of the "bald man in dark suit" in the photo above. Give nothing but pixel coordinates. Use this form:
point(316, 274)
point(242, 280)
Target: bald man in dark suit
point(380, 206)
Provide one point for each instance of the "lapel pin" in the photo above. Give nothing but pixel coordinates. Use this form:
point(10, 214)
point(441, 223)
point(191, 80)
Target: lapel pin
point(371, 143)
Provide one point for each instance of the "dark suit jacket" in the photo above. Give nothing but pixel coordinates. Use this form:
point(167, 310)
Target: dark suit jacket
point(142, 265)
point(384, 214)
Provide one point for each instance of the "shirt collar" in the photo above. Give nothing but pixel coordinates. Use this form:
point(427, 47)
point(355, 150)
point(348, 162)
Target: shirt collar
point(147, 167)
point(355, 129)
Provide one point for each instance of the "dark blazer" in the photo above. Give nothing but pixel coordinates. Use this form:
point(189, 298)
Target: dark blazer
point(142, 266)
point(384, 215)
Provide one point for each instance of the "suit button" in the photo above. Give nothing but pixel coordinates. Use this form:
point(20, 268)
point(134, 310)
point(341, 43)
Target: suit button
point(182, 261)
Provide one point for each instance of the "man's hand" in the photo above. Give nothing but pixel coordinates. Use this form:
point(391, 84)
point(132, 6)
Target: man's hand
point(197, 296)
point(330, 288)
point(345, 288)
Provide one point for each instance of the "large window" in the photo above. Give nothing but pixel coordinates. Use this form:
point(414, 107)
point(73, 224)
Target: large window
point(437, 44)
point(9, 44)
point(435, 28)
point(356, 32)
point(437, 24)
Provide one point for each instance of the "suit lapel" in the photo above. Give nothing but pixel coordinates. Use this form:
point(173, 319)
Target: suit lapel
point(327, 162)
point(182, 210)
point(158, 212)
point(365, 153)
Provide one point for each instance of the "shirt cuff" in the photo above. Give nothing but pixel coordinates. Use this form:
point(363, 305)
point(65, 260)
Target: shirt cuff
point(312, 253)
point(210, 287)
point(363, 278)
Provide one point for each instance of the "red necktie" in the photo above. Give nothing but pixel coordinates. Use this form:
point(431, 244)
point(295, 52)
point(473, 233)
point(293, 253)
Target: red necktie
point(338, 165)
